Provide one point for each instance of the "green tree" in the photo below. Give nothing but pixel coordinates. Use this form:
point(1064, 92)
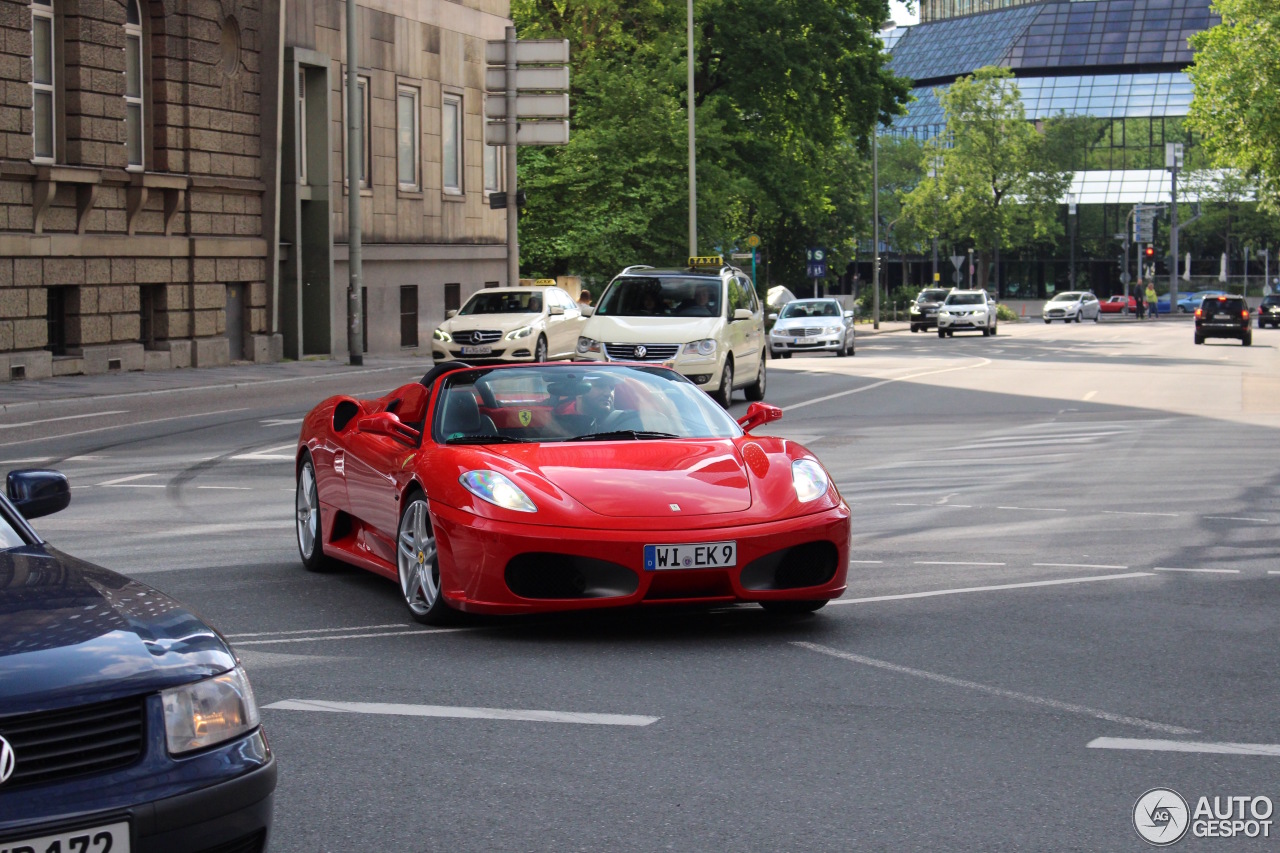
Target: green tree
point(999, 186)
point(786, 93)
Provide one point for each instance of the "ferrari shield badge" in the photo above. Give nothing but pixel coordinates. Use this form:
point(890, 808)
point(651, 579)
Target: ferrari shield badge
point(526, 417)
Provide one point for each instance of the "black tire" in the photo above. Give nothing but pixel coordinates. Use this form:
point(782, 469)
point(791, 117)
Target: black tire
point(755, 391)
point(914, 328)
point(950, 333)
point(724, 394)
point(1047, 321)
point(308, 529)
point(418, 564)
point(1247, 340)
point(786, 355)
point(540, 350)
point(1199, 338)
point(942, 333)
point(793, 608)
point(994, 327)
point(1097, 318)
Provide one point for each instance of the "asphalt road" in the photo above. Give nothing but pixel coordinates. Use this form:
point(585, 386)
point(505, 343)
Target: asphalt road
point(1064, 593)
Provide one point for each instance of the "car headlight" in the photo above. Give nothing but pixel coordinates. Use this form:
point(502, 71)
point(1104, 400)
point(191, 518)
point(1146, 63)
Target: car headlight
point(209, 712)
point(497, 489)
point(442, 335)
point(524, 332)
point(809, 479)
point(831, 330)
point(915, 309)
point(586, 345)
point(705, 348)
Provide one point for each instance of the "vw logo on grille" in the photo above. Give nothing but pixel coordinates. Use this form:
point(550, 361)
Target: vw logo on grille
point(7, 760)
point(641, 351)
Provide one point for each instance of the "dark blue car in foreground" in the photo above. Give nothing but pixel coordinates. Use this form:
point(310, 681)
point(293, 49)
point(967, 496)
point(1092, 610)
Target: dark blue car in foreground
point(126, 724)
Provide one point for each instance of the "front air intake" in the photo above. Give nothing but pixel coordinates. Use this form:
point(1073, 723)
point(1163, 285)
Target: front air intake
point(797, 567)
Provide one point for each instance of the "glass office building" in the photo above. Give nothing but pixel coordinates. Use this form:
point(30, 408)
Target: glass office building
point(1121, 61)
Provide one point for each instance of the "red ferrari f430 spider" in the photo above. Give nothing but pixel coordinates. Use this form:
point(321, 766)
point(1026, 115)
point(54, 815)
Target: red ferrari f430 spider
point(517, 489)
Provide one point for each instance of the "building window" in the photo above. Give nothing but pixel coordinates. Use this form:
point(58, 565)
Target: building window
point(364, 319)
point(492, 284)
point(451, 140)
point(362, 104)
point(302, 125)
point(409, 315)
point(452, 297)
point(408, 135)
point(133, 116)
point(56, 320)
point(492, 180)
point(42, 81)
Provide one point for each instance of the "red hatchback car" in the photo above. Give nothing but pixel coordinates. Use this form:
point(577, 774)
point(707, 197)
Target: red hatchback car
point(1119, 305)
point(529, 488)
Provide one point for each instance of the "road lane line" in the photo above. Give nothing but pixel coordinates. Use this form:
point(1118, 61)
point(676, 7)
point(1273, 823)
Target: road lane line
point(1268, 749)
point(228, 488)
point(125, 479)
point(66, 418)
point(1076, 566)
point(129, 425)
point(983, 363)
point(1089, 396)
point(1031, 509)
point(953, 563)
point(352, 636)
point(1124, 512)
point(991, 588)
point(1204, 571)
point(1040, 701)
point(876, 562)
point(1273, 573)
point(578, 717)
point(315, 631)
point(1233, 518)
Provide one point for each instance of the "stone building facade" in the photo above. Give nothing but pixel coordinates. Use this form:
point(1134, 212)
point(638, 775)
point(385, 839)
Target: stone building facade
point(172, 178)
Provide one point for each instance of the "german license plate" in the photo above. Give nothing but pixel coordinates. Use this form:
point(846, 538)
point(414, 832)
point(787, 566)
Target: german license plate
point(698, 555)
point(804, 340)
point(477, 350)
point(113, 838)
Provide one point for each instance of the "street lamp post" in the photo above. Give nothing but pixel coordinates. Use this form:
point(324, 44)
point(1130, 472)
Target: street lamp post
point(1245, 291)
point(693, 168)
point(935, 173)
point(971, 269)
point(355, 163)
point(1266, 270)
point(875, 224)
point(1071, 215)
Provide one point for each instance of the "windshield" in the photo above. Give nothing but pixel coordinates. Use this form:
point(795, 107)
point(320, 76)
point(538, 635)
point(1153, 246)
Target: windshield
point(1221, 305)
point(9, 537)
point(964, 299)
point(504, 302)
point(1272, 299)
point(1066, 297)
point(666, 296)
point(931, 296)
point(567, 402)
point(794, 310)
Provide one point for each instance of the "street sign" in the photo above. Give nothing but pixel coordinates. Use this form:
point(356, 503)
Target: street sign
point(540, 105)
point(956, 261)
point(528, 133)
point(1144, 224)
point(741, 256)
point(817, 263)
point(528, 78)
point(753, 241)
point(529, 51)
point(1125, 277)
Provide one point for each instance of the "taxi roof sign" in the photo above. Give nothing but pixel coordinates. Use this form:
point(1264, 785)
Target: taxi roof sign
point(706, 261)
point(544, 282)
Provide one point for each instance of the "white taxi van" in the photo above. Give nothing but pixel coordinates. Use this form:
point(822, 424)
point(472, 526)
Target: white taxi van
point(540, 323)
point(705, 321)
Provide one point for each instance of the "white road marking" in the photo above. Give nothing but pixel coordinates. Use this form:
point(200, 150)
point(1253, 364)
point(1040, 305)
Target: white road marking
point(1076, 566)
point(992, 588)
point(983, 363)
point(1124, 512)
point(1090, 396)
point(1041, 701)
point(869, 562)
point(273, 422)
point(125, 479)
point(65, 418)
point(1031, 509)
point(1273, 573)
point(229, 488)
point(1268, 749)
point(1204, 571)
point(953, 563)
point(352, 636)
point(464, 713)
point(1233, 518)
point(131, 425)
point(315, 631)
point(30, 460)
point(270, 453)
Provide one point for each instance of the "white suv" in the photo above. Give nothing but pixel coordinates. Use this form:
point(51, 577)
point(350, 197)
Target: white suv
point(705, 322)
point(967, 311)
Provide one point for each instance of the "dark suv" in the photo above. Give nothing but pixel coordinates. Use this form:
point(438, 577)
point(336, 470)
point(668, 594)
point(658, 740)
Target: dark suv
point(1224, 317)
point(1269, 311)
point(924, 311)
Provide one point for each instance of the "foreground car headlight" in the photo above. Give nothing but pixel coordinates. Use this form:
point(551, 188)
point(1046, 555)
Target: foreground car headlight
point(209, 712)
point(809, 479)
point(497, 489)
point(586, 345)
point(442, 335)
point(705, 348)
point(524, 332)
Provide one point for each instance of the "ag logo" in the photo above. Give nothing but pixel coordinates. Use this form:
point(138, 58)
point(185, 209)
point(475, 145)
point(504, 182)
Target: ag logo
point(7, 761)
point(526, 417)
point(1161, 816)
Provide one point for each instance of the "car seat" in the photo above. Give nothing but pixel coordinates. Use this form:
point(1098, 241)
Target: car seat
point(462, 416)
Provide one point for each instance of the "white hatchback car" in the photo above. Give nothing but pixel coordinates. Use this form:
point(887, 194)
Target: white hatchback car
point(510, 324)
point(1072, 306)
point(705, 322)
point(967, 311)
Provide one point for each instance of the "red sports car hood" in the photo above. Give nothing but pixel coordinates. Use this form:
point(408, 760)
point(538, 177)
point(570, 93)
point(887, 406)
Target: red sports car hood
point(646, 478)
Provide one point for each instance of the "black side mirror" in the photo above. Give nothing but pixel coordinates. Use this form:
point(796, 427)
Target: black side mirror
point(36, 493)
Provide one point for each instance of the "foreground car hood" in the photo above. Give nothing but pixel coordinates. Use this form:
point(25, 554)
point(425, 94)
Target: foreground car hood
point(71, 631)
point(644, 478)
point(651, 330)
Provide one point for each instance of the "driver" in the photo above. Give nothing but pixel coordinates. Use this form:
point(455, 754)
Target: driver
point(597, 402)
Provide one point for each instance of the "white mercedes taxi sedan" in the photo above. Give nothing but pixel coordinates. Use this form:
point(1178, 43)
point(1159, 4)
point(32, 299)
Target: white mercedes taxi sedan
point(705, 322)
point(510, 324)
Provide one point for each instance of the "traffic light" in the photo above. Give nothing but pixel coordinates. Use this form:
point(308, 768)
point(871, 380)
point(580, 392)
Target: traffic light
point(1149, 252)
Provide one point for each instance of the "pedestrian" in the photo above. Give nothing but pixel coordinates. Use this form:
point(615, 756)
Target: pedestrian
point(584, 298)
point(1138, 304)
point(1152, 299)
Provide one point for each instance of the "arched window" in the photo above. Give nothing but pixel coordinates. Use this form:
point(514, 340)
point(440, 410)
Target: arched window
point(133, 83)
point(43, 88)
